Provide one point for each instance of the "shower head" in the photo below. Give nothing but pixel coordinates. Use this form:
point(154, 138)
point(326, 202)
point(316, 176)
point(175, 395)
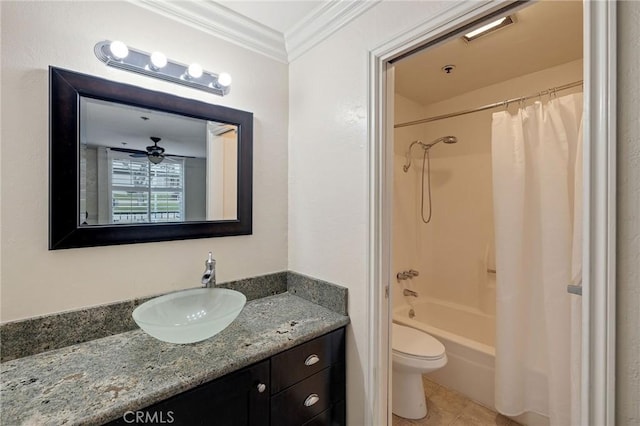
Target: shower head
point(426, 147)
point(445, 139)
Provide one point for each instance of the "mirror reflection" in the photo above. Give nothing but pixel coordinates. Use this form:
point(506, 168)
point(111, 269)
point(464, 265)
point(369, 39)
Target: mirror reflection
point(140, 165)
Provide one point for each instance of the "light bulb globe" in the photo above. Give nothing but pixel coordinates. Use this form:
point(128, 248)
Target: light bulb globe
point(195, 70)
point(158, 60)
point(224, 79)
point(118, 49)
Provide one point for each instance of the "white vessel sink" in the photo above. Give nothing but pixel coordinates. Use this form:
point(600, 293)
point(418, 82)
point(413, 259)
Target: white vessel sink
point(189, 316)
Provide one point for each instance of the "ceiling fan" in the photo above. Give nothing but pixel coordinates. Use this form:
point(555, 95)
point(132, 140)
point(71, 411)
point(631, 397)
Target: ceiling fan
point(154, 153)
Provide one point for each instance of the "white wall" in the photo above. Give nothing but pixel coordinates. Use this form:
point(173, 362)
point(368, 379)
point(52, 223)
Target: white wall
point(328, 167)
point(628, 250)
point(450, 251)
point(36, 281)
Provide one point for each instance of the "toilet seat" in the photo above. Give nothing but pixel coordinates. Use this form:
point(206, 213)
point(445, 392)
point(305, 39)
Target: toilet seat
point(411, 343)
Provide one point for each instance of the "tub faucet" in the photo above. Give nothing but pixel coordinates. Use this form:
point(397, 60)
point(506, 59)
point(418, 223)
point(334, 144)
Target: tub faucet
point(209, 276)
point(407, 292)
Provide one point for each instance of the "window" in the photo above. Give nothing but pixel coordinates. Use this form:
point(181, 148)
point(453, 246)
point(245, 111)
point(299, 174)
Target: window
point(143, 192)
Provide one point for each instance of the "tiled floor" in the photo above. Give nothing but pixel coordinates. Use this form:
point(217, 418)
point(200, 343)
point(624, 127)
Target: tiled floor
point(447, 407)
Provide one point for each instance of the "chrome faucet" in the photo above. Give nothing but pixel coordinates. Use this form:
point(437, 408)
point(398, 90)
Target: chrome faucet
point(209, 276)
point(407, 292)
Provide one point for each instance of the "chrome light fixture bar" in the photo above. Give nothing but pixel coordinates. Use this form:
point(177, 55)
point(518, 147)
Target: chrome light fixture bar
point(117, 54)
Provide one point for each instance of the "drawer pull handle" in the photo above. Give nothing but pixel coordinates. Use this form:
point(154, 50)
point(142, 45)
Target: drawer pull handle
point(262, 387)
point(311, 359)
point(311, 400)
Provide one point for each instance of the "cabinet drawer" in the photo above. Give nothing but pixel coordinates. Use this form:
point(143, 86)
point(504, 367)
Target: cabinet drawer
point(334, 416)
point(307, 399)
point(304, 360)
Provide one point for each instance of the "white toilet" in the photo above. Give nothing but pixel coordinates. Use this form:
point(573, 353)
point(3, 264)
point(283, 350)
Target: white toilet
point(414, 353)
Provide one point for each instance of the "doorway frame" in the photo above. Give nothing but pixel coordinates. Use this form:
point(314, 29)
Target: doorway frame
point(599, 227)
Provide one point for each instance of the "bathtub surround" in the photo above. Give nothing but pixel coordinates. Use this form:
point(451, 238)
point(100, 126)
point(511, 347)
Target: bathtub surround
point(35, 335)
point(95, 382)
point(462, 192)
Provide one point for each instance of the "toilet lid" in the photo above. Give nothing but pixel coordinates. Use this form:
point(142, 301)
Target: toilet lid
point(416, 343)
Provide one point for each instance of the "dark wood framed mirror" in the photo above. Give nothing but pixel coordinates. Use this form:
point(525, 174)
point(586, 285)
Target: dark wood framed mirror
point(130, 165)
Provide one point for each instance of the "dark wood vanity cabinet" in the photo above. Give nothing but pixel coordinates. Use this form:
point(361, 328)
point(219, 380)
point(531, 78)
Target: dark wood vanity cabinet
point(233, 400)
point(308, 383)
point(303, 386)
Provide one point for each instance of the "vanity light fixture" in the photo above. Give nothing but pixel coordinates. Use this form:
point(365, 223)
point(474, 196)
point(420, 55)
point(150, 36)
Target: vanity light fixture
point(489, 28)
point(119, 55)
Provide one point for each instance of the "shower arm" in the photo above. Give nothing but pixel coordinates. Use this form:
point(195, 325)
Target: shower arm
point(426, 147)
point(408, 156)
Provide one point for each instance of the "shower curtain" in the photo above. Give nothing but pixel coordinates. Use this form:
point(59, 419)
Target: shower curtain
point(537, 181)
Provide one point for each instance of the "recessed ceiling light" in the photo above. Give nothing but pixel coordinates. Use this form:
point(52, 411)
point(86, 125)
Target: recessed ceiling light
point(488, 28)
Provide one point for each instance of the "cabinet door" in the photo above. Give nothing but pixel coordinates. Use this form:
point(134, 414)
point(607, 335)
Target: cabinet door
point(233, 400)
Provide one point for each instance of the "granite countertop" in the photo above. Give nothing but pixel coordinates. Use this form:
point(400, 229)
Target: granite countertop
point(96, 381)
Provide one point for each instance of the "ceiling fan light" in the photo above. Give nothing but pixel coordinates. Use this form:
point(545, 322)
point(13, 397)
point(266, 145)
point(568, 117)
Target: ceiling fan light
point(155, 158)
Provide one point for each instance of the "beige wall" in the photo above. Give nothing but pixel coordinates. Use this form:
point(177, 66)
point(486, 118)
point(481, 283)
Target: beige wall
point(628, 251)
point(36, 281)
point(450, 251)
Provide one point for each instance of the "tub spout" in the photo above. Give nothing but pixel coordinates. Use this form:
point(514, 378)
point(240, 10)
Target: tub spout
point(407, 292)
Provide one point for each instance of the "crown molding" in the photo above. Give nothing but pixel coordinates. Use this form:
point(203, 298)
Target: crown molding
point(321, 23)
point(226, 24)
point(222, 22)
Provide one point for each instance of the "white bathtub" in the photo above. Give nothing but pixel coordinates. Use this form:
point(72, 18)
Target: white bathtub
point(468, 336)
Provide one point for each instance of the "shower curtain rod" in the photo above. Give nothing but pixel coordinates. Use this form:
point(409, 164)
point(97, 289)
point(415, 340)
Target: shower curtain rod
point(490, 106)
